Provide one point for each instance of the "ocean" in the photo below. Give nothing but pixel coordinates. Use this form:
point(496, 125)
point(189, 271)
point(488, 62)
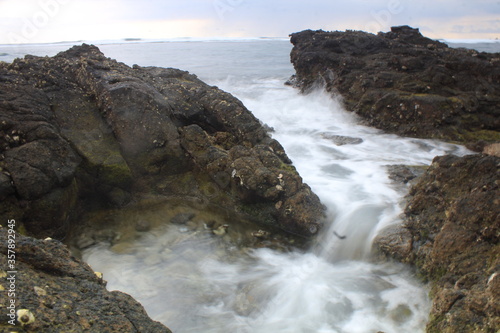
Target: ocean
point(192, 284)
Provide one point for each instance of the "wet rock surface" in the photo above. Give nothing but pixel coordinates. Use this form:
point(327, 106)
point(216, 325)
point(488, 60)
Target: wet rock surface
point(341, 140)
point(55, 292)
point(80, 131)
point(403, 82)
point(451, 234)
point(404, 174)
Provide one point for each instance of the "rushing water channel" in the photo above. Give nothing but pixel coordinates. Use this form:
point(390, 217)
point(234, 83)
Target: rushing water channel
point(201, 284)
point(195, 281)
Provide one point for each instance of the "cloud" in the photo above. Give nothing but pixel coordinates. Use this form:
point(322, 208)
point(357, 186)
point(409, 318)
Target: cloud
point(471, 26)
point(52, 21)
point(463, 27)
point(49, 20)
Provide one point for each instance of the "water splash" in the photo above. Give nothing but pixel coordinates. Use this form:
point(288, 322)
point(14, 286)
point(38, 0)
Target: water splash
point(344, 162)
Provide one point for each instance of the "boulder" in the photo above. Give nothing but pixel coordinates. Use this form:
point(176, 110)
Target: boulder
point(55, 292)
point(403, 82)
point(80, 132)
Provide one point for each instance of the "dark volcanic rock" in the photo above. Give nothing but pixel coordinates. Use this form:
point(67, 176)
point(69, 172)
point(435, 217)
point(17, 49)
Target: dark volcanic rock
point(404, 174)
point(403, 82)
point(80, 131)
point(64, 294)
point(451, 233)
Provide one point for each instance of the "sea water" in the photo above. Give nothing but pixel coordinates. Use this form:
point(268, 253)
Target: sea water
point(198, 284)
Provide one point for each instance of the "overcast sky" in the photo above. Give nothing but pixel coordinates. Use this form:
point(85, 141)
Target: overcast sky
point(35, 21)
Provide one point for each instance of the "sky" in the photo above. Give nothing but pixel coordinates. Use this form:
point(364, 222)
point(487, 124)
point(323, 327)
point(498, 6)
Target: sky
point(46, 21)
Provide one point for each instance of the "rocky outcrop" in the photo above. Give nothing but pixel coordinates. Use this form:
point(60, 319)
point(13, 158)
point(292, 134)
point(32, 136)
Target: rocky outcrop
point(451, 233)
point(404, 83)
point(55, 292)
point(79, 132)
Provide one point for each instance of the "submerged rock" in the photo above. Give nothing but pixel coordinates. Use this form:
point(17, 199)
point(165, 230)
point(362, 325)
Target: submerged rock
point(55, 292)
point(403, 82)
point(404, 174)
point(341, 140)
point(451, 234)
point(182, 218)
point(80, 131)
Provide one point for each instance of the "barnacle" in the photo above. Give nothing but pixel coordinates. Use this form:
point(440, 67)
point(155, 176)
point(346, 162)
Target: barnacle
point(25, 317)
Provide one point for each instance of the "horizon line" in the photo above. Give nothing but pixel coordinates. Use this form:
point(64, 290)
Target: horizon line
point(138, 40)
